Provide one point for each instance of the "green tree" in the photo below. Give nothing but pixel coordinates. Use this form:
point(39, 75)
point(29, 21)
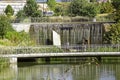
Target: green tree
point(91, 10)
point(106, 7)
point(4, 26)
point(58, 10)
point(116, 13)
point(113, 35)
point(9, 10)
point(83, 8)
point(51, 4)
point(21, 14)
point(116, 4)
point(77, 7)
point(17, 37)
point(31, 9)
point(37, 13)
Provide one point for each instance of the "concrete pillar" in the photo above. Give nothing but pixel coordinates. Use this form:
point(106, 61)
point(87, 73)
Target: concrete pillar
point(13, 60)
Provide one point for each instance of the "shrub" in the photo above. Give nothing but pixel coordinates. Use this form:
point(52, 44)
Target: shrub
point(58, 11)
point(113, 35)
point(116, 13)
point(83, 8)
point(9, 10)
point(51, 4)
point(104, 49)
point(20, 15)
point(6, 42)
point(4, 26)
point(31, 9)
point(19, 38)
point(106, 7)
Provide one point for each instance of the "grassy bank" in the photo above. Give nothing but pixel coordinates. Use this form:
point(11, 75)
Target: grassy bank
point(3, 63)
point(104, 49)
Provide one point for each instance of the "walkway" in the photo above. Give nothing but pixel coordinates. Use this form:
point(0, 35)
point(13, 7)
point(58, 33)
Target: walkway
point(76, 54)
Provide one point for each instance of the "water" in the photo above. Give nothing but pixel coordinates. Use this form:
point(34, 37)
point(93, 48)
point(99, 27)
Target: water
point(72, 33)
point(83, 71)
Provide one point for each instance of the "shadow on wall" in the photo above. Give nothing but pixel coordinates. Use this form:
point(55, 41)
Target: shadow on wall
point(49, 42)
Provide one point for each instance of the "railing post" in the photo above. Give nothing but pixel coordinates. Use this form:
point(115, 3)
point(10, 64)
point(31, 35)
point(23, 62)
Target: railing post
point(13, 60)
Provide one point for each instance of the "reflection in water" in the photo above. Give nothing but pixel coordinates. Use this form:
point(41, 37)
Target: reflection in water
point(107, 76)
point(9, 73)
point(107, 73)
point(46, 72)
point(62, 72)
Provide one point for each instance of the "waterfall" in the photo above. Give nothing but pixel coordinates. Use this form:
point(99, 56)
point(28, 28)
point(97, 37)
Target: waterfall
point(72, 33)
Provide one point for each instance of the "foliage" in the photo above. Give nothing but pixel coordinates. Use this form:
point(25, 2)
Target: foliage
point(4, 62)
point(31, 9)
point(18, 38)
point(91, 10)
point(116, 4)
point(83, 8)
point(5, 42)
point(14, 36)
point(51, 4)
point(105, 17)
point(37, 13)
point(62, 9)
point(58, 10)
point(4, 26)
point(77, 6)
point(116, 14)
point(106, 7)
point(113, 35)
point(20, 14)
point(9, 10)
point(104, 49)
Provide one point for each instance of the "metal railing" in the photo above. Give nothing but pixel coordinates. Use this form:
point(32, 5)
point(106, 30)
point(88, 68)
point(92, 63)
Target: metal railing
point(93, 48)
point(60, 19)
point(60, 49)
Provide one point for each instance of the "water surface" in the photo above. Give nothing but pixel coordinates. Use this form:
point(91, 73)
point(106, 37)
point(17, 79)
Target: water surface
point(61, 72)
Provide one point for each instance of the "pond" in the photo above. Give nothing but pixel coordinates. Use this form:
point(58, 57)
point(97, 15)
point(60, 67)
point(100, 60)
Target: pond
point(81, 71)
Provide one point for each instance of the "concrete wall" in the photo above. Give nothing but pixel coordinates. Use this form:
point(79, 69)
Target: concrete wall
point(72, 33)
point(21, 27)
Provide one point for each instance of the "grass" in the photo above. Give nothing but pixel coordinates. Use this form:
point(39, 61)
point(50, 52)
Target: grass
point(5, 42)
point(104, 17)
point(104, 49)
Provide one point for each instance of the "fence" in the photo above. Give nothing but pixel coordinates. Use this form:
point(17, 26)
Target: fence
point(60, 19)
point(60, 49)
